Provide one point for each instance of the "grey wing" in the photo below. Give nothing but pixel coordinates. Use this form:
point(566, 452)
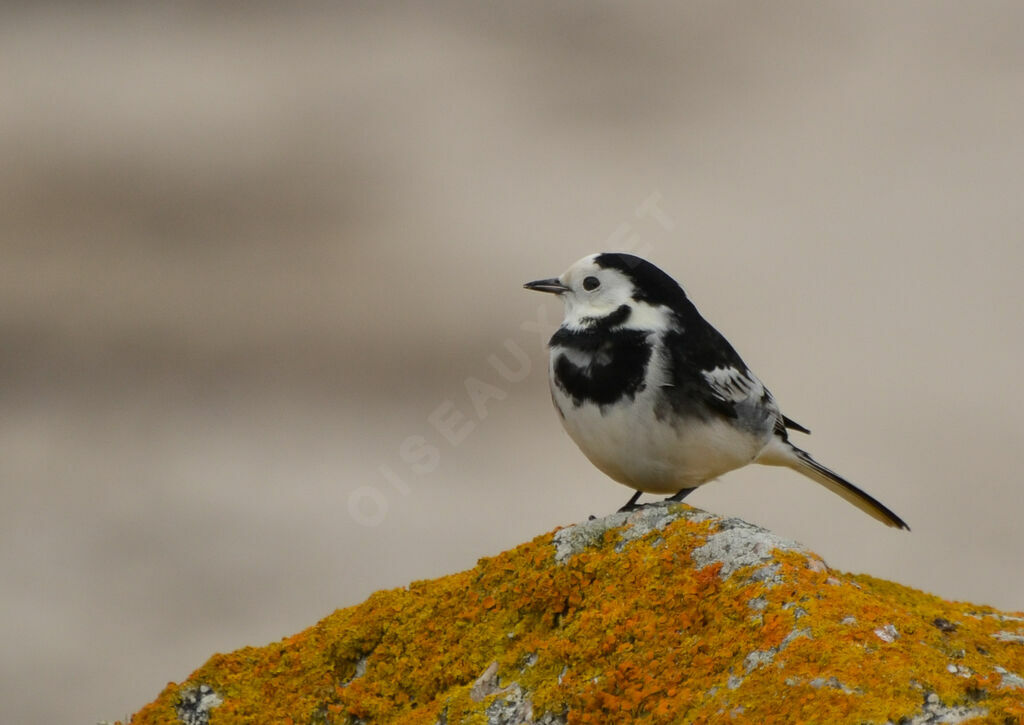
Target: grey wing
point(752, 401)
point(736, 386)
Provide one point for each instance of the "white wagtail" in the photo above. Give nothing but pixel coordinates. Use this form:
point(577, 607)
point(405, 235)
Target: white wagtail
point(655, 396)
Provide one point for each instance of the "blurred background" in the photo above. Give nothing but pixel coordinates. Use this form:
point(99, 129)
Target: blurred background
point(265, 347)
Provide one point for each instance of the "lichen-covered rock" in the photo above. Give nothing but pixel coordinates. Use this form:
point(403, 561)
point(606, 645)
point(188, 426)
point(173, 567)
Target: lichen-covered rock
point(663, 615)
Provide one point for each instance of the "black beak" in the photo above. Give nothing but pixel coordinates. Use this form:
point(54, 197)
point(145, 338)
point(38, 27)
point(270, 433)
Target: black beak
point(547, 285)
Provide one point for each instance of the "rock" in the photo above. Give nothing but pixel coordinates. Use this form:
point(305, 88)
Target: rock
point(195, 703)
point(662, 615)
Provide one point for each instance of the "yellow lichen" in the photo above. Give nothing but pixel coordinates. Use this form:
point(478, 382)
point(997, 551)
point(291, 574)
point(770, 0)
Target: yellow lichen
point(637, 635)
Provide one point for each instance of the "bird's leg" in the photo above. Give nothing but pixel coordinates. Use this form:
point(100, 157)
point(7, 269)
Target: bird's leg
point(630, 505)
point(680, 494)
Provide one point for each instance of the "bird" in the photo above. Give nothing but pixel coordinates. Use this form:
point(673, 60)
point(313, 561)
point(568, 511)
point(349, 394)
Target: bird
point(656, 397)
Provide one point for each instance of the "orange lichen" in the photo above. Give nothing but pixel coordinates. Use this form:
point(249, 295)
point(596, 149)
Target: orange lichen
point(632, 635)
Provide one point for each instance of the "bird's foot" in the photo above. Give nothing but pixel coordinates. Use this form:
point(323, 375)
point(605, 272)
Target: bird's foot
point(631, 504)
point(680, 495)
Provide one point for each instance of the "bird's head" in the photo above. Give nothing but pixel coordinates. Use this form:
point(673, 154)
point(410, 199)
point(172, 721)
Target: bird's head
point(599, 285)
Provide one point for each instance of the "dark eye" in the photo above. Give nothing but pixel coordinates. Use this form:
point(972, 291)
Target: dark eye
point(591, 283)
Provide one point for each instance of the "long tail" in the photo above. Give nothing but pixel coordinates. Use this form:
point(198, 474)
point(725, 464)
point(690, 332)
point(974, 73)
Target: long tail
point(783, 453)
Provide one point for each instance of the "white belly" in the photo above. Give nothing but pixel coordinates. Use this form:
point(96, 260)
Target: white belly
point(628, 443)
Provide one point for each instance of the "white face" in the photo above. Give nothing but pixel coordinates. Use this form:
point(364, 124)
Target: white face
point(593, 291)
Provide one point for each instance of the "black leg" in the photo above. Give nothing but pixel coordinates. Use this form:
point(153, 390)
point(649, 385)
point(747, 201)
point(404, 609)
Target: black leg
point(680, 494)
point(631, 503)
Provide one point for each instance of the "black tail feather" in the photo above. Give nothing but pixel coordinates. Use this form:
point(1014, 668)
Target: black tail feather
point(839, 485)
